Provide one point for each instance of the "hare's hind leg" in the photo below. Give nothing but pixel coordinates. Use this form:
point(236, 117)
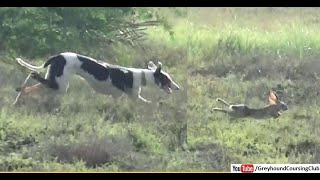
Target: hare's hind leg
point(219, 109)
point(223, 101)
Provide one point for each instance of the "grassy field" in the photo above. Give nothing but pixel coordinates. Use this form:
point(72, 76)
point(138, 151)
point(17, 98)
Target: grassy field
point(238, 54)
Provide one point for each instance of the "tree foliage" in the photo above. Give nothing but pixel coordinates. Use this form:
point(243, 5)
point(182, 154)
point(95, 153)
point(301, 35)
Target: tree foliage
point(37, 32)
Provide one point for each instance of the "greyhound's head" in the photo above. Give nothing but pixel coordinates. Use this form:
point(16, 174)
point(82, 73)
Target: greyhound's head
point(274, 100)
point(162, 79)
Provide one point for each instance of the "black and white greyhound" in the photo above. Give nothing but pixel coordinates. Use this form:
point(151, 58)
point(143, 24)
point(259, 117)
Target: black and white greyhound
point(103, 77)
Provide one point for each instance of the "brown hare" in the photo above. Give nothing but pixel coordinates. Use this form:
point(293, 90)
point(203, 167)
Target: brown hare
point(273, 109)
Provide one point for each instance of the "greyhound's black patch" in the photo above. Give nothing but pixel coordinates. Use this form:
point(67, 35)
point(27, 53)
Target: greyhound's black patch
point(122, 79)
point(99, 71)
point(56, 70)
point(161, 79)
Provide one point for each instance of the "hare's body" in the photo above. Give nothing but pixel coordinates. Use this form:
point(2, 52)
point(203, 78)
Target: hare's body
point(241, 110)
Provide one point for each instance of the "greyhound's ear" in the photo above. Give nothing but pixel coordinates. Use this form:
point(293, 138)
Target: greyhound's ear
point(152, 66)
point(273, 98)
point(159, 67)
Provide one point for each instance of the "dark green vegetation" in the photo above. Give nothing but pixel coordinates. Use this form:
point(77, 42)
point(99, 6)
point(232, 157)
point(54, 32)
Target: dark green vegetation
point(234, 53)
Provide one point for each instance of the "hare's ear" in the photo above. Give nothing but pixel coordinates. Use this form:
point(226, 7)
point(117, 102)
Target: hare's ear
point(273, 98)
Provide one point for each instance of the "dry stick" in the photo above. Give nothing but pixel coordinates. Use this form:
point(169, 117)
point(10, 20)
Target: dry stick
point(24, 83)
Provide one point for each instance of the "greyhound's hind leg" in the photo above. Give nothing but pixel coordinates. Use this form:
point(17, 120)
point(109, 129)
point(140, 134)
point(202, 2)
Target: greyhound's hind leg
point(47, 82)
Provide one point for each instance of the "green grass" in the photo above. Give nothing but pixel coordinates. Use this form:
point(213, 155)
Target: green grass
point(234, 53)
point(238, 55)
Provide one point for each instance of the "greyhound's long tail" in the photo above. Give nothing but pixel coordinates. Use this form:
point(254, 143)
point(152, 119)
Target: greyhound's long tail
point(223, 101)
point(36, 68)
point(29, 66)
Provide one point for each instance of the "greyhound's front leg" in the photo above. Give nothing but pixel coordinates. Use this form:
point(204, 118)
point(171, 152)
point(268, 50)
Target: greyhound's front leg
point(140, 97)
point(144, 100)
